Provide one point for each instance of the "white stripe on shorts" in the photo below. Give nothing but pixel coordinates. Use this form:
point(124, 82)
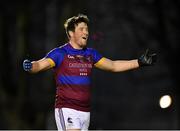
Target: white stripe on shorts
point(60, 119)
point(67, 118)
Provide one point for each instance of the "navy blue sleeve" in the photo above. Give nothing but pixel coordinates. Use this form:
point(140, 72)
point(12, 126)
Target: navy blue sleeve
point(96, 56)
point(57, 55)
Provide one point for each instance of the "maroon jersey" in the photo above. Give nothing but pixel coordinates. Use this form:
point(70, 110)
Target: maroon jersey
point(72, 74)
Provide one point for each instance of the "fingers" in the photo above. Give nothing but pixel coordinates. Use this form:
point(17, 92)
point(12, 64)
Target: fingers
point(27, 65)
point(153, 57)
point(154, 54)
point(146, 52)
point(147, 59)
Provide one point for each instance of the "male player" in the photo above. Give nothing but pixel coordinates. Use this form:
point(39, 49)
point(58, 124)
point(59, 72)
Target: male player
point(72, 64)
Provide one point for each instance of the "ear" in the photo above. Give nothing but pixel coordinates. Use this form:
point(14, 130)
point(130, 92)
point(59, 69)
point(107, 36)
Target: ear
point(71, 33)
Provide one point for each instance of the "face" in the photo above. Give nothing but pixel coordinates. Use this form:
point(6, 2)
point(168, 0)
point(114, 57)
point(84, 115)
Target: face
point(80, 35)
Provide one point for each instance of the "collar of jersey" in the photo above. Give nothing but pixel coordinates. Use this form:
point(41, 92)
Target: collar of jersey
point(75, 50)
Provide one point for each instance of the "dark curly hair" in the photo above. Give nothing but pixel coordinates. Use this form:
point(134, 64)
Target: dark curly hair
point(70, 23)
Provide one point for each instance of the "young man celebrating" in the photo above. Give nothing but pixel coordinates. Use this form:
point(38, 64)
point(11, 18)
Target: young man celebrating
point(72, 64)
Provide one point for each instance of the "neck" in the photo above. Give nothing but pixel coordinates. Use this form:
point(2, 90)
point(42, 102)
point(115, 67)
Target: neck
point(75, 45)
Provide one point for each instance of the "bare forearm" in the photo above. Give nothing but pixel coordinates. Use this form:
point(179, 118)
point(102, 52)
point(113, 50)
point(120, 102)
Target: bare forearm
point(40, 65)
point(123, 65)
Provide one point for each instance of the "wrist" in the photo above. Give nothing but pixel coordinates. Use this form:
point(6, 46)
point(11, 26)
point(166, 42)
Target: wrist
point(140, 62)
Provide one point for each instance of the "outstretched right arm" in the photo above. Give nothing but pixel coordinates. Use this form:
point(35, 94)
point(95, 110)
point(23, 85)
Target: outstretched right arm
point(52, 59)
point(40, 65)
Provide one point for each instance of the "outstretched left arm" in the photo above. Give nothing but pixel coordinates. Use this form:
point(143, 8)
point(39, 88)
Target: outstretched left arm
point(146, 59)
point(117, 65)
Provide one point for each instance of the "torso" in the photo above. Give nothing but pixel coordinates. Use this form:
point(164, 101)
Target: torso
point(73, 79)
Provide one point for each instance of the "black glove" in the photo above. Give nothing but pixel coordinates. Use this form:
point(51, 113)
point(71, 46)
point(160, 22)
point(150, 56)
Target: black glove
point(27, 65)
point(147, 59)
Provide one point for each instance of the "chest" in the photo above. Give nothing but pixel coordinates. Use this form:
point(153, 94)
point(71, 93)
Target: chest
point(78, 65)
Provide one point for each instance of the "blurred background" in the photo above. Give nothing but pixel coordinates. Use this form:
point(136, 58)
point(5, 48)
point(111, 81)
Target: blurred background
point(118, 30)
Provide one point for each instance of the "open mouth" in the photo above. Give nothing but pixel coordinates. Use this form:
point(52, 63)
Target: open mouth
point(85, 38)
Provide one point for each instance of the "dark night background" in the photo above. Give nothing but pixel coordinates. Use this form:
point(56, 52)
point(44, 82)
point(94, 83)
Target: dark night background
point(119, 29)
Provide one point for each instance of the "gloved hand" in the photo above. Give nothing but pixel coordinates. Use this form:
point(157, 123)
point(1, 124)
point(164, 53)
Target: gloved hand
point(27, 65)
point(147, 59)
